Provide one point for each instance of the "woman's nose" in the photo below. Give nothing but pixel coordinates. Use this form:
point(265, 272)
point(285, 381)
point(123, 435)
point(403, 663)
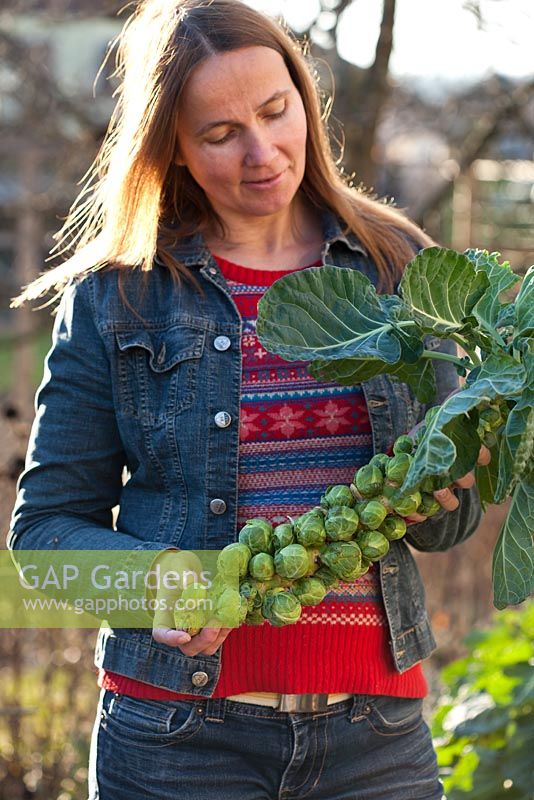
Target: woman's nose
point(260, 150)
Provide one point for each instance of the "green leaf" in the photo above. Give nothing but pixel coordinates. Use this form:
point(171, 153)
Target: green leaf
point(488, 721)
point(462, 431)
point(442, 287)
point(486, 478)
point(507, 316)
point(436, 454)
point(517, 441)
point(501, 278)
point(513, 557)
point(524, 305)
point(332, 313)
point(517, 446)
point(524, 689)
point(351, 371)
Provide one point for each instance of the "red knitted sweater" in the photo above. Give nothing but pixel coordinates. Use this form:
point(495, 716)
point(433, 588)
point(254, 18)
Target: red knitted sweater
point(298, 436)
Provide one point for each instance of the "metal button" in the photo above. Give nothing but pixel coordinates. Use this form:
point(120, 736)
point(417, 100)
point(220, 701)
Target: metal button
point(199, 678)
point(217, 506)
point(221, 343)
point(212, 271)
point(222, 419)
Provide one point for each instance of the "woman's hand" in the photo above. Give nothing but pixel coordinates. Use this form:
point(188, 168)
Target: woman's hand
point(446, 497)
point(206, 642)
point(208, 639)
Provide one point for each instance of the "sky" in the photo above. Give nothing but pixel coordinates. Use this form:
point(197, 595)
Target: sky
point(434, 39)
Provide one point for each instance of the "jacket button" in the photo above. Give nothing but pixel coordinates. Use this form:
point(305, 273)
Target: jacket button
point(199, 678)
point(222, 419)
point(221, 343)
point(217, 506)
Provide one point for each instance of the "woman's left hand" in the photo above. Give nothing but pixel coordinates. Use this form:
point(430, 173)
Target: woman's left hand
point(446, 497)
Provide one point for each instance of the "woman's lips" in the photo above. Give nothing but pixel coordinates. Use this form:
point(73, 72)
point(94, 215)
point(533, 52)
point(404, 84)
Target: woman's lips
point(267, 184)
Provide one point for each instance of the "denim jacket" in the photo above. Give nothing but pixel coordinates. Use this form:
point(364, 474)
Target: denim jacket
point(117, 393)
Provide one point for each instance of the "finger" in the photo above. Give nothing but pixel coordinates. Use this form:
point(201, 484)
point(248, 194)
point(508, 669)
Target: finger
point(484, 457)
point(414, 518)
point(200, 642)
point(466, 481)
point(210, 651)
point(447, 499)
point(170, 636)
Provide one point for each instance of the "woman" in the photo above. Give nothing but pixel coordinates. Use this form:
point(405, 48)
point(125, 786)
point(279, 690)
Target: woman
point(216, 178)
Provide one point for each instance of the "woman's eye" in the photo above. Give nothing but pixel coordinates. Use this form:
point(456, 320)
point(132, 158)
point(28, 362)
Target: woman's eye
point(223, 140)
point(277, 114)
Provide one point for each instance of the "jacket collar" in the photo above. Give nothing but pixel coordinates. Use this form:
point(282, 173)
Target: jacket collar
point(193, 252)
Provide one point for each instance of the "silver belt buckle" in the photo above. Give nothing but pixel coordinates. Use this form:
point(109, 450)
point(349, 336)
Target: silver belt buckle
point(302, 703)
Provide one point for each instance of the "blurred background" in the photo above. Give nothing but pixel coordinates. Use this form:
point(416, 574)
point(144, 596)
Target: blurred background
point(434, 106)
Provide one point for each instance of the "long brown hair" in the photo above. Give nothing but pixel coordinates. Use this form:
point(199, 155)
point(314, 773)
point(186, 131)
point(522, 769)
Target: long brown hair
point(137, 202)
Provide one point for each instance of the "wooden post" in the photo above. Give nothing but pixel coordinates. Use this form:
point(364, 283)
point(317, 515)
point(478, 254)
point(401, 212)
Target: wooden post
point(462, 199)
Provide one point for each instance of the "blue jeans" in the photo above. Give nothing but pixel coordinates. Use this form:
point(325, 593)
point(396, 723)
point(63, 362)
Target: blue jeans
point(364, 748)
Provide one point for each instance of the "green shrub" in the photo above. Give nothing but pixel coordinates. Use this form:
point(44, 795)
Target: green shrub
point(484, 728)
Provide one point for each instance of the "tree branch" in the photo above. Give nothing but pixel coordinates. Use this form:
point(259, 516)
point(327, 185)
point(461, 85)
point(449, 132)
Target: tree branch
point(506, 106)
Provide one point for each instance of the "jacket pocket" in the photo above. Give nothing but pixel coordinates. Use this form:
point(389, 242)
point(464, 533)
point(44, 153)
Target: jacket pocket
point(158, 371)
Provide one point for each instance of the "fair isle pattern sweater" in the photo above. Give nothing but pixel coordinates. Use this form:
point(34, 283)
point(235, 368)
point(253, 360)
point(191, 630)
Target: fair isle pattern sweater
point(297, 436)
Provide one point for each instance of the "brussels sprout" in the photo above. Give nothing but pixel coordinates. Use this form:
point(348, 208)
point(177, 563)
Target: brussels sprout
point(404, 444)
point(350, 577)
point(220, 582)
point(292, 562)
point(263, 586)
point(313, 515)
point(281, 607)
point(282, 536)
point(261, 566)
point(257, 535)
point(393, 527)
point(373, 514)
point(310, 591)
point(251, 594)
point(373, 545)
point(233, 559)
point(310, 530)
point(192, 613)
point(406, 504)
point(428, 484)
point(428, 505)
point(489, 439)
point(231, 609)
point(341, 523)
point(194, 592)
point(327, 577)
point(254, 617)
point(492, 417)
point(397, 468)
point(379, 460)
point(342, 558)
point(369, 481)
point(338, 495)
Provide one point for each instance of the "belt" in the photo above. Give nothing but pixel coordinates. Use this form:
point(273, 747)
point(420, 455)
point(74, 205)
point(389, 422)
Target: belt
point(299, 703)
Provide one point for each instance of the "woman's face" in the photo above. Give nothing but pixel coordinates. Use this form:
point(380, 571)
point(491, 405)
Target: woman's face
point(242, 133)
